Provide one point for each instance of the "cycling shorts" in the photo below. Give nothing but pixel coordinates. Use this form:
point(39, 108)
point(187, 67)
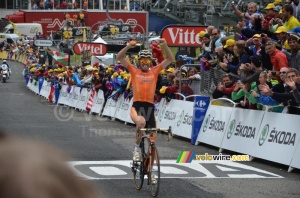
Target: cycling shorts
point(146, 110)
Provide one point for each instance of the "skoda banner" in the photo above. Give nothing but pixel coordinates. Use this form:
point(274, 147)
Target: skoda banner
point(278, 137)
point(201, 104)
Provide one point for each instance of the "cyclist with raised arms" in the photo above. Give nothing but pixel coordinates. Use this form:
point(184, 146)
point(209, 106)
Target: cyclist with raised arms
point(144, 83)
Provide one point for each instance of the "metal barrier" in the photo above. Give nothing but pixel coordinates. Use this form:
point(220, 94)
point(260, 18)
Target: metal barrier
point(209, 79)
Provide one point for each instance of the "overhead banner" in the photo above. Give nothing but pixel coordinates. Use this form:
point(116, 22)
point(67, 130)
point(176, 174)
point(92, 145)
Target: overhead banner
point(242, 130)
point(214, 126)
point(278, 137)
point(182, 35)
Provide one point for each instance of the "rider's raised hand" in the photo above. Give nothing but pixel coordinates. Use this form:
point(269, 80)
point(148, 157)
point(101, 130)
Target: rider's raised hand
point(131, 44)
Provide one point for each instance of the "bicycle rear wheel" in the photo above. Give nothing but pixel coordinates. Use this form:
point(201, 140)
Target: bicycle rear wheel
point(138, 174)
point(154, 174)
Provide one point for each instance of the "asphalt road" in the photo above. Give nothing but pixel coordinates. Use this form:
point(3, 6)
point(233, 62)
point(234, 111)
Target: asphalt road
point(101, 150)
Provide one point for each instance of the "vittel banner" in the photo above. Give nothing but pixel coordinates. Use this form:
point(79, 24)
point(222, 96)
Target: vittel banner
point(214, 126)
point(242, 130)
point(278, 137)
point(181, 35)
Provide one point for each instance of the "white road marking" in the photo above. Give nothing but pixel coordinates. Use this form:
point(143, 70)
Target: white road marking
point(170, 169)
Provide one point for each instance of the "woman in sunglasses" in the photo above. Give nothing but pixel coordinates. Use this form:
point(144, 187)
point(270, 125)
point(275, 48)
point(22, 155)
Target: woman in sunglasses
point(144, 80)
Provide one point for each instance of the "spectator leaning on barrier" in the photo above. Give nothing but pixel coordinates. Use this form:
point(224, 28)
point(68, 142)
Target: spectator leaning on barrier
point(241, 94)
point(287, 97)
point(278, 58)
point(194, 80)
point(293, 41)
point(225, 88)
point(296, 93)
point(263, 99)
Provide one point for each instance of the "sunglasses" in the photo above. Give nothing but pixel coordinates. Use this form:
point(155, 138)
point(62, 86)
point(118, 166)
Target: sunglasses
point(145, 61)
point(284, 72)
point(215, 34)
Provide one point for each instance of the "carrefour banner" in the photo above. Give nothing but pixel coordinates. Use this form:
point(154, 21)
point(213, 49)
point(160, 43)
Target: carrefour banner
point(201, 104)
point(215, 123)
point(278, 137)
point(242, 130)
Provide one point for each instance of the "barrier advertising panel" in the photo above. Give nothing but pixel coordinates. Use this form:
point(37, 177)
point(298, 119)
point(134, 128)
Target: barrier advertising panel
point(215, 123)
point(296, 158)
point(277, 140)
point(242, 130)
point(167, 114)
point(98, 102)
point(123, 110)
point(184, 119)
point(201, 104)
point(110, 107)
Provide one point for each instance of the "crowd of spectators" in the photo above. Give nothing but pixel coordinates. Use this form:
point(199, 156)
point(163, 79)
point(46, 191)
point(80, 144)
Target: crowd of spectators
point(262, 65)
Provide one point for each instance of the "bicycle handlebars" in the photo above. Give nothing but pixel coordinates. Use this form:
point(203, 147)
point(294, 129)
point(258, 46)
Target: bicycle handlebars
point(168, 130)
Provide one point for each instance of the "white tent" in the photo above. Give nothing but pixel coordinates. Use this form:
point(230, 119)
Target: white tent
point(99, 40)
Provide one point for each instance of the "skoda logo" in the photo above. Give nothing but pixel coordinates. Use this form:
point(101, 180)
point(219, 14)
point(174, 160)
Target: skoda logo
point(230, 129)
point(162, 112)
point(206, 123)
point(263, 135)
point(180, 118)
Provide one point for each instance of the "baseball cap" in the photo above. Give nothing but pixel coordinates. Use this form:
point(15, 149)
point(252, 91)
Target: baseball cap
point(256, 60)
point(277, 8)
point(229, 42)
point(270, 6)
point(170, 70)
point(294, 37)
point(277, 2)
point(256, 36)
point(280, 29)
point(201, 34)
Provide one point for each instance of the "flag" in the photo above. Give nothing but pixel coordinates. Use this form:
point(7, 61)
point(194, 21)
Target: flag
point(60, 57)
point(50, 97)
point(90, 102)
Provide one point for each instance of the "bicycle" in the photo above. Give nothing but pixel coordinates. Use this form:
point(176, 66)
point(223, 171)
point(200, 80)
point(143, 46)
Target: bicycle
point(149, 164)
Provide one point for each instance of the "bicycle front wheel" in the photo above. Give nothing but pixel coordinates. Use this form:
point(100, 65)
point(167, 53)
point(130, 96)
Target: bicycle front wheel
point(138, 174)
point(154, 173)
